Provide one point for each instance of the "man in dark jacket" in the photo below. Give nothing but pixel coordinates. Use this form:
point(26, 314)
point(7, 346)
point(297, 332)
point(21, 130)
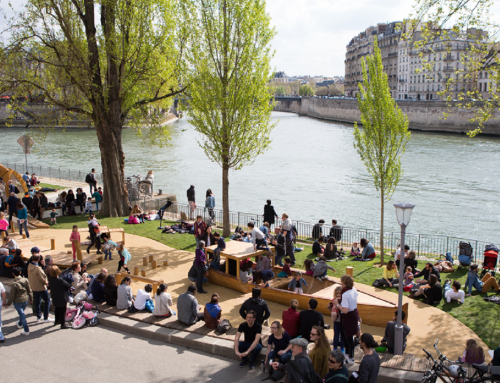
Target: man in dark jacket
point(336, 231)
point(300, 369)
point(191, 201)
point(12, 203)
point(27, 200)
point(309, 318)
point(425, 273)
point(257, 304)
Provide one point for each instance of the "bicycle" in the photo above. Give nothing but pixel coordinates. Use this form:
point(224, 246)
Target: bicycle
point(454, 373)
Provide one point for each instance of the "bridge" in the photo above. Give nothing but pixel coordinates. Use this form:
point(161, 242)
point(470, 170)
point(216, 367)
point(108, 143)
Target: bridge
point(288, 98)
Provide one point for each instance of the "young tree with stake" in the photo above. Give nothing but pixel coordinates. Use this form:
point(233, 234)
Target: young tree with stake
point(385, 134)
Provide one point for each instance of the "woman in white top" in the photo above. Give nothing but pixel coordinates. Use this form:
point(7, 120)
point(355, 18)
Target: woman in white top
point(143, 296)
point(349, 316)
point(163, 302)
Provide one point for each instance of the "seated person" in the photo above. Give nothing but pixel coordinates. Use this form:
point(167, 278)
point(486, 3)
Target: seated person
point(397, 255)
point(368, 251)
point(317, 230)
point(188, 310)
point(355, 252)
point(433, 292)
point(317, 247)
point(193, 275)
point(444, 266)
point(390, 329)
point(309, 318)
point(428, 270)
point(245, 276)
point(213, 312)
point(309, 266)
point(257, 305)
point(297, 283)
point(411, 261)
point(221, 245)
point(331, 250)
point(408, 277)
point(496, 357)
point(481, 285)
point(124, 297)
point(278, 345)
point(473, 354)
point(286, 266)
point(163, 302)
point(97, 288)
point(454, 292)
point(250, 348)
point(142, 296)
point(264, 266)
point(110, 290)
point(321, 268)
point(337, 371)
point(391, 275)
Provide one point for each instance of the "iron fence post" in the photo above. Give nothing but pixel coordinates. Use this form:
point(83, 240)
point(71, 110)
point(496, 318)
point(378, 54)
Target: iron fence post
point(60, 173)
point(447, 243)
point(418, 246)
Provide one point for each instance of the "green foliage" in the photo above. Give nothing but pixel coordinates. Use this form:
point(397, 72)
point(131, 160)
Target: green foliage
point(385, 130)
point(306, 90)
point(280, 90)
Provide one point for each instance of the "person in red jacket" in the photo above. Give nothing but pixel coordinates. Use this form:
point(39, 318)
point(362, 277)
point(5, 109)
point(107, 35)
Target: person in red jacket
point(291, 319)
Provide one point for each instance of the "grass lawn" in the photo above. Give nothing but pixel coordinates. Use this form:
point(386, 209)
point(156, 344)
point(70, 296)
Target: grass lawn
point(49, 186)
point(481, 316)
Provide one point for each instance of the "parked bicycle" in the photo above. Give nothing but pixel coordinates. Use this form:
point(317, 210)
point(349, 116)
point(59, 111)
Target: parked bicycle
point(455, 373)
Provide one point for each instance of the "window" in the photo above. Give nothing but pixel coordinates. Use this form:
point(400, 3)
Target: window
point(480, 87)
point(485, 86)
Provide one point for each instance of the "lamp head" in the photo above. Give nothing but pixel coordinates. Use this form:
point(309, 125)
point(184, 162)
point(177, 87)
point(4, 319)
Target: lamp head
point(403, 212)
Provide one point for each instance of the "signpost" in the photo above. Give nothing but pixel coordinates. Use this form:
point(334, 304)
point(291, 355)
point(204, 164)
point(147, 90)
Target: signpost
point(26, 143)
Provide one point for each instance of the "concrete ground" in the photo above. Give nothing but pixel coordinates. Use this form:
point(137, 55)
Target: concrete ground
point(427, 323)
point(106, 355)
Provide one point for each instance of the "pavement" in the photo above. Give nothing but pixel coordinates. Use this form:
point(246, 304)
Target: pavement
point(106, 355)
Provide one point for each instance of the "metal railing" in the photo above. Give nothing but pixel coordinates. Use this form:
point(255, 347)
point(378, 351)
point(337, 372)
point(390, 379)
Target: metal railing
point(424, 245)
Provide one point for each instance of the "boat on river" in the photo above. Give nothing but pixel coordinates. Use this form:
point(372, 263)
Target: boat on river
point(373, 310)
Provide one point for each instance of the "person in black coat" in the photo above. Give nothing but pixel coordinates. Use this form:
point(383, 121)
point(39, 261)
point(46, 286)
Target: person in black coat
point(27, 200)
point(59, 290)
point(17, 261)
point(269, 213)
point(70, 202)
point(110, 290)
point(257, 304)
point(12, 203)
point(81, 199)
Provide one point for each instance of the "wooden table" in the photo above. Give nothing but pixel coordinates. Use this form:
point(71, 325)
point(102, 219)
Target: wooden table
point(238, 251)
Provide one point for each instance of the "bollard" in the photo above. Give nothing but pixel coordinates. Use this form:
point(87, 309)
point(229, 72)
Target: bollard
point(3, 234)
point(12, 227)
point(69, 252)
point(52, 244)
point(143, 273)
point(151, 258)
point(100, 260)
point(154, 265)
point(165, 263)
point(136, 270)
point(24, 236)
point(349, 270)
point(144, 261)
point(119, 277)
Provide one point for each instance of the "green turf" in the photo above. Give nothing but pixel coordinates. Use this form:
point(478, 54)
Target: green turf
point(481, 316)
point(49, 186)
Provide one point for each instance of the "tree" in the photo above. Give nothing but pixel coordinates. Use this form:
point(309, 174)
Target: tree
point(385, 132)
point(438, 25)
point(108, 61)
point(279, 90)
point(294, 87)
point(230, 101)
point(306, 90)
point(321, 91)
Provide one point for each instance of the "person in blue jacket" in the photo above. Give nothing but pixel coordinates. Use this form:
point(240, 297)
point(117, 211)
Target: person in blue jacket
point(22, 219)
point(124, 258)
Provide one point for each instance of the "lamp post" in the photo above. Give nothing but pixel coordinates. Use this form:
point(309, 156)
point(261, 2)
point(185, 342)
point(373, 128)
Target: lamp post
point(403, 214)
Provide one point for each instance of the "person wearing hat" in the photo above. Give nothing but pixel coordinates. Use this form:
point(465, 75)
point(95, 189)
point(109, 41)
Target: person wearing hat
point(309, 318)
point(300, 368)
point(250, 348)
point(39, 282)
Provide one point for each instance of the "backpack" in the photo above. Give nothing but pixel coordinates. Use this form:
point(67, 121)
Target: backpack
point(465, 249)
point(377, 283)
point(8, 260)
point(150, 306)
point(224, 326)
point(88, 178)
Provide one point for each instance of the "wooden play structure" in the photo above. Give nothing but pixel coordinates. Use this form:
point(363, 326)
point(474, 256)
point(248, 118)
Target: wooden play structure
point(11, 175)
point(155, 283)
point(373, 310)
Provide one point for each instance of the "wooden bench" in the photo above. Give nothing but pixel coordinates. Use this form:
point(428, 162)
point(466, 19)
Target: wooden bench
point(138, 278)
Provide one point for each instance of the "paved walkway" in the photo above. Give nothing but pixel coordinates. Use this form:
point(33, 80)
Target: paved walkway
point(426, 322)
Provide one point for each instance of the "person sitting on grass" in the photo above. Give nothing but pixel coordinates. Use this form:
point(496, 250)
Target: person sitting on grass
point(355, 252)
point(433, 291)
point(321, 269)
point(428, 270)
point(408, 277)
point(331, 250)
point(309, 266)
point(317, 247)
point(368, 251)
point(453, 293)
point(481, 285)
point(390, 330)
point(297, 283)
point(391, 275)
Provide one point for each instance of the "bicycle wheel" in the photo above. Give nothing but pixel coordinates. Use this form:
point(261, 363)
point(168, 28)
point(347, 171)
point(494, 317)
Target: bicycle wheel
point(429, 379)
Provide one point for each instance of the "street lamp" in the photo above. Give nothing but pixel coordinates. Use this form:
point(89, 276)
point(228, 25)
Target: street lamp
point(403, 214)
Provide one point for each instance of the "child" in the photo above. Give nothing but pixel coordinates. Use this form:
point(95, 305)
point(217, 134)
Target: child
point(98, 198)
point(355, 252)
point(124, 258)
point(53, 216)
point(4, 224)
point(309, 266)
point(245, 276)
point(321, 269)
point(408, 277)
point(297, 283)
point(75, 237)
point(221, 245)
point(286, 267)
point(99, 190)
point(88, 206)
point(337, 336)
point(108, 246)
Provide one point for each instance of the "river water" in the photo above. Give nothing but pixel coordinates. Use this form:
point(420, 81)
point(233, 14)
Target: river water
point(311, 172)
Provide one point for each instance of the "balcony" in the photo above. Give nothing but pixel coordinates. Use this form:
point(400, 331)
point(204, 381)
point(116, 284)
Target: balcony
point(448, 58)
point(402, 80)
point(392, 54)
point(449, 68)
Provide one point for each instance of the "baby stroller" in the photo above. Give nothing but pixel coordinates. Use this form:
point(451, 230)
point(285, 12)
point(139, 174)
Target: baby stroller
point(490, 260)
point(465, 254)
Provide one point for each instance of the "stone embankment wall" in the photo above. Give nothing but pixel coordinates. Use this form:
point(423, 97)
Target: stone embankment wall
point(423, 115)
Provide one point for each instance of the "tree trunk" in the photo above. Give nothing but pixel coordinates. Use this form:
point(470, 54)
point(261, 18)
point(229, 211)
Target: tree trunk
point(226, 227)
point(382, 228)
point(115, 197)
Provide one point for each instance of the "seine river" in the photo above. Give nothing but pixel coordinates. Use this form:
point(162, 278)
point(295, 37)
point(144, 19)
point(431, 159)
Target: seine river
point(312, 171)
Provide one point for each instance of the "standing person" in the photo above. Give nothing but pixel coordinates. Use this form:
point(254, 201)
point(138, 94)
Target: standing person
point(370, 364)
point(70, 202)
point(252, 346)
point(200, 228)
point(213, 312)
point(22, 219)
point(210, 204)
point(188, 309)
point(336, 231)
point(279, 246)
point(309, 318)
point(124, 258)
point(38, 282)
point(208, 238)
point(81, 199)
point(300, 368)
point(269, 213)
point(390, 331)
point(108, 247)
point(26, 178)
point(291, 319)
point(44, 204)
point(90, 179)
point(321, 351)
point(20, 295)
point(95, 237)
point(3, 303)
point(35, 206)
point(257, 305)
point(59, 290)
point(349, 316)
point(4, 224)
point(200, 263)
point(12, 203)
point(338, 373)
point(27, 199)
point(278, 345)
point(98, 198)
point(337, 333)
point(286, 230)
point(88, 207)
point(191, 201)
point(74, 237)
